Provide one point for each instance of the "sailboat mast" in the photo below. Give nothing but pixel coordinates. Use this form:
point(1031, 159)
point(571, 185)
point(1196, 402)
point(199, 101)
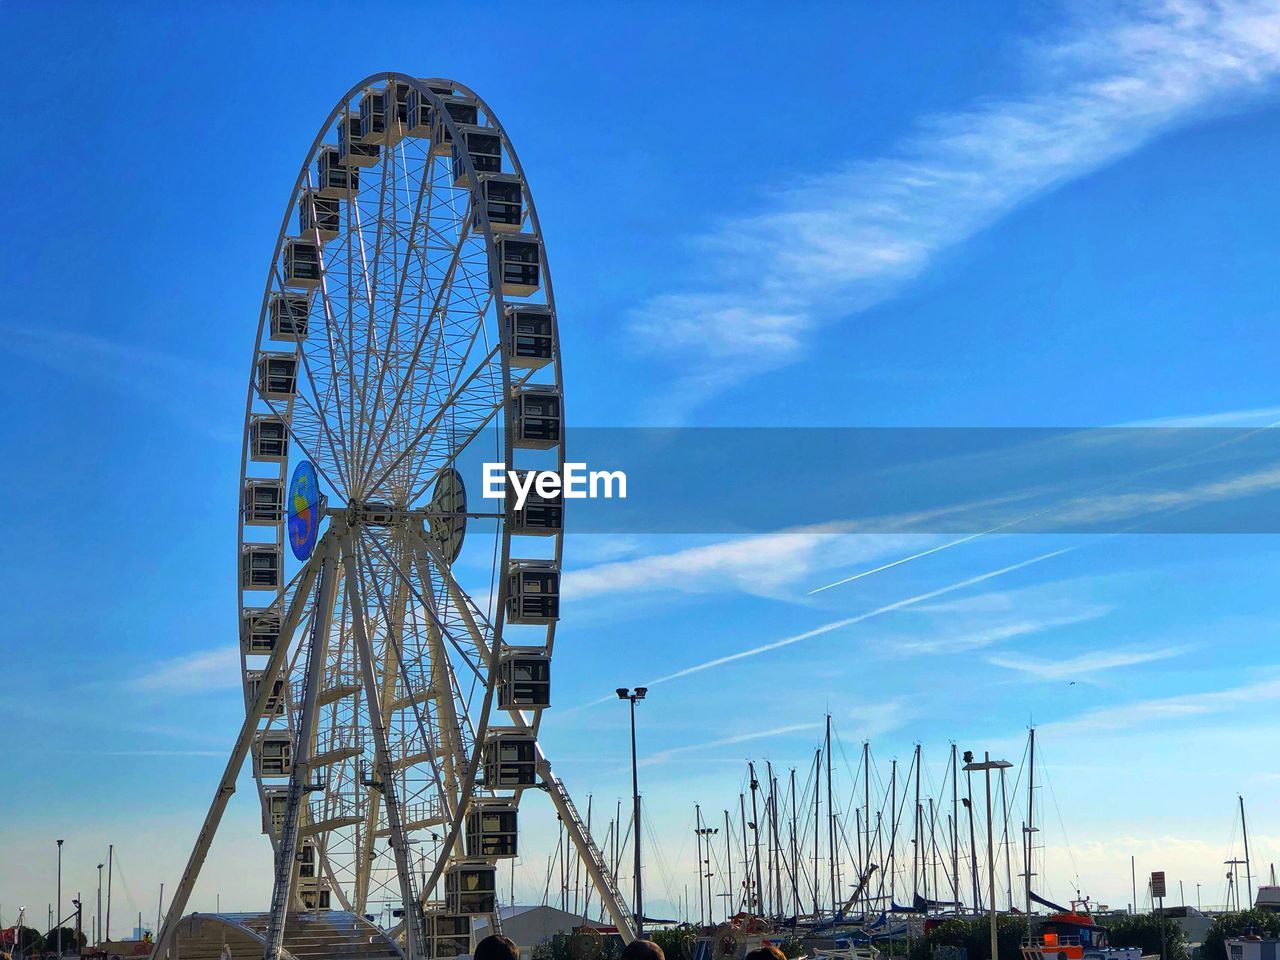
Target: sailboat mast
point(1008, 858)
point(755, 830)
point(866, 810)
point(893, 830)
point(831, 825)
point(915, 834)
point(749, 901)
point(795, 850)
point(730, 902)
point(1031, 812)
point(1248, 869)
point(817, 825)
point(955, 831)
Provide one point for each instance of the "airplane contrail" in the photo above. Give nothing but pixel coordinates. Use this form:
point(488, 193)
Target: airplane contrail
point(1231, 441)
point(850, 621)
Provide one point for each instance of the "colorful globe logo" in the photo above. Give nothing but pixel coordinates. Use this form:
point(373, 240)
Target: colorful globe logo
point(304, 510)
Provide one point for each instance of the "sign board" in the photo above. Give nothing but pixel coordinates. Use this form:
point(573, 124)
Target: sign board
point(304, 510)
point(1157, 884)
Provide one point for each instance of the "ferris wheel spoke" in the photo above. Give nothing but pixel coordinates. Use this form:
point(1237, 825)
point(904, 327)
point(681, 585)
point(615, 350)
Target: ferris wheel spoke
point(423, 596)
point(434, 314)
point(429, 195)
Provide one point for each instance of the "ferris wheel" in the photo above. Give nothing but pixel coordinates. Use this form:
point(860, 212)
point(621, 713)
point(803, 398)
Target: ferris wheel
point(396, 629)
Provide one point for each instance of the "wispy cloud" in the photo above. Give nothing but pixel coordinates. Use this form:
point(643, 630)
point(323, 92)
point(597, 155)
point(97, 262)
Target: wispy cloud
point(1085, 667)
point(842, 241)
point(202, 671)
point(766, 565)
point(664, 755)
point(944, 641)
point(124, 367)
point(1159, 710)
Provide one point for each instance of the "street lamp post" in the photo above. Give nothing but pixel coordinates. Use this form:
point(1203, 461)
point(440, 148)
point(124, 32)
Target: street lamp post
point(58, 915)
point(986, 765)
point(638, 694)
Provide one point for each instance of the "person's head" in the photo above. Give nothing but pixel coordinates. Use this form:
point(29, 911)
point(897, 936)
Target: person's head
point(497, 947)
point(765, 951)
point(640, 950)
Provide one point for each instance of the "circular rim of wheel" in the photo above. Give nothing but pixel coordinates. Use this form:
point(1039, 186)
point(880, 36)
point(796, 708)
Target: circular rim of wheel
point(255, 469)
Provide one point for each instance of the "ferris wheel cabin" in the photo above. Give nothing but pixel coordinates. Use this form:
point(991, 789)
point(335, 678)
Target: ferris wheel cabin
point(262, 503)
point(275, 803)
point(352, 151)
point(272, 753)
point(510, 760)
point(524, 679)
point(491, 828)
point(539, 417)
point(287, 313)
point(471, 887)
point(539, 516)
point(418, 115)
point(260, 566)
point(268, 438)
point(337, 180)
point(277, 376)
point(301, 263)
point(533, 592)
point(463, 112)
point(502, 199)
point(531, 338)
point(485, 148)
point(319, 217)
point(520, 263)
point(448, 935)
point(275, 699)
point(259, 630)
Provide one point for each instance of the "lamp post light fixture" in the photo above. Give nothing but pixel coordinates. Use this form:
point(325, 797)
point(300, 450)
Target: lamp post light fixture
point(633, 696)
point(986, 765)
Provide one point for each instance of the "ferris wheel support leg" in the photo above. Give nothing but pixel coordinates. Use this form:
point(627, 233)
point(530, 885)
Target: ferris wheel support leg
point(227, 785)
point(588, 852)
point(300, 768)
point(390, 675)
point(414, 931)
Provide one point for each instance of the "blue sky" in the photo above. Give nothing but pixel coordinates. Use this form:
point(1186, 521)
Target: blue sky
point(864, 215)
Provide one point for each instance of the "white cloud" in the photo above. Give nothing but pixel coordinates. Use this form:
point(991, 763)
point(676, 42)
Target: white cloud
point(202, 671)
point(1141, 713)
point(845, 240)
point(945, 641)
point(1087, 667)
point(765, 565)
point(664, 755)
